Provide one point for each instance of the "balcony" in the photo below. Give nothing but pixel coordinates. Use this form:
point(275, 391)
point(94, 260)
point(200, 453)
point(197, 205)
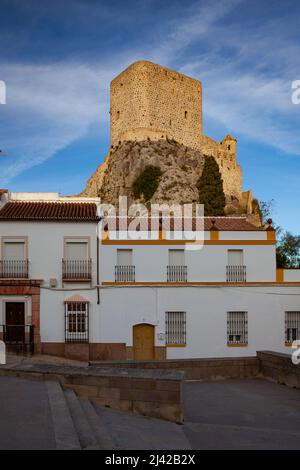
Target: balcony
point(235, 273)
point(14, 269)
point(125, 273)
point(77, 270)
point(18, 338)
point(176, 273)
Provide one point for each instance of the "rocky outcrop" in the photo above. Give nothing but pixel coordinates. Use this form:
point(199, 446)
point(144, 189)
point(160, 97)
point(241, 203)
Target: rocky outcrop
point(181, 168)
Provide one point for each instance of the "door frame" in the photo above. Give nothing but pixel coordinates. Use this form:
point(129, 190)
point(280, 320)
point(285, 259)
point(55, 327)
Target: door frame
point(153, 334)
point(18, 335)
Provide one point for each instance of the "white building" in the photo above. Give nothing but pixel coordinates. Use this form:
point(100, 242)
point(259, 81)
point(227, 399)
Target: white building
point(72, 294)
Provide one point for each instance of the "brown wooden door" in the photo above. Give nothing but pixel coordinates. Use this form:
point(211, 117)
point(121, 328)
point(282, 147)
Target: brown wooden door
point(143, 342)
point(15, 322)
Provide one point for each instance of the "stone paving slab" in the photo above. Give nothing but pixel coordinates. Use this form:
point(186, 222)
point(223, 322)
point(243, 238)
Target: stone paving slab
point(241, 414)
point(25, 415)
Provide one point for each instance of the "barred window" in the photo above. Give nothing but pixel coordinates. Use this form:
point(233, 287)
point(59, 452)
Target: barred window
point(76, 322)
point(237, 328)
point(292, 326)
point(176, 328)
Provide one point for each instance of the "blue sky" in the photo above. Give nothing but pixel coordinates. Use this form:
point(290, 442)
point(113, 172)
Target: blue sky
point(58, 57)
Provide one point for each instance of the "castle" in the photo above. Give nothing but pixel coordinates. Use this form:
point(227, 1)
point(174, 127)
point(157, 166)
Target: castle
point(149, 101)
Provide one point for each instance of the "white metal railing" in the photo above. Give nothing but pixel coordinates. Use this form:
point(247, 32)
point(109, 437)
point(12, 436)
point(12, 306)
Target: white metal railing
point(14, 269)
point(236, 273)
point(176, 273)
point(124, 273)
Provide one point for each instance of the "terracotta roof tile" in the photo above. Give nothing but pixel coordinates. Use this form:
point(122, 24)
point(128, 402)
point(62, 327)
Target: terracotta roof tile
point(220, 223)
point(78, 211)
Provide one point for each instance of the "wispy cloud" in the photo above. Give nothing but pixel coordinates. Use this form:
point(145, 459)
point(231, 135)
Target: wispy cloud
point(246, 87)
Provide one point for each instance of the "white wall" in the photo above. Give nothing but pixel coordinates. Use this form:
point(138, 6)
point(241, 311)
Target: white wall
point(206, 313)
point(46, 244)
point(292, 275)
point(207, 264)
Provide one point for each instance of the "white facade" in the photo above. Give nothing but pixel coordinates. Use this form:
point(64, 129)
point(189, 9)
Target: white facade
point(201, 293)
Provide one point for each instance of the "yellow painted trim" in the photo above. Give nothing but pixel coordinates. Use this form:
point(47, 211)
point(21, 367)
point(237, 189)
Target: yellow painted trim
point(280, 275)
point(188, 242)
point(271, 235)
point(175, 345)
point(208, 283)
point(239, 345)
point(214, 235)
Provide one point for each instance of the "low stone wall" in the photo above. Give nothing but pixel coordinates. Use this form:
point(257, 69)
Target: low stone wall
point(279, 368)
point(196, 369)
point(152, 393)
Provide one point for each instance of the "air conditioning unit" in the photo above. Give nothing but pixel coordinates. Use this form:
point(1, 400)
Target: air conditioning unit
point(53, 282)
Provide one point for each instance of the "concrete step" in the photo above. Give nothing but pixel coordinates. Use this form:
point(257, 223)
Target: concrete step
point(101, 431)
point(66, 437)
point(85, 432)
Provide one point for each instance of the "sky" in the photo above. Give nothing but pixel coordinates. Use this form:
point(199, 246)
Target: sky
point(57, 59)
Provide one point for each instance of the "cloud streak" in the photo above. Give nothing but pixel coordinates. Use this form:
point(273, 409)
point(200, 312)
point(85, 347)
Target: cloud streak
point(246, 91)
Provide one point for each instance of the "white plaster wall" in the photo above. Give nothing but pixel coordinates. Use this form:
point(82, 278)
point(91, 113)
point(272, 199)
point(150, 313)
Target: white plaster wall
point(206, 313)
point(46, 244)
point(206, 264)
point(292, 275)
point(236, 235)
point(52, 313)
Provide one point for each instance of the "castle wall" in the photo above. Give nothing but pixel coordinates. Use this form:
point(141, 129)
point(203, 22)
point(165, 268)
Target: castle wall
point(150, 101)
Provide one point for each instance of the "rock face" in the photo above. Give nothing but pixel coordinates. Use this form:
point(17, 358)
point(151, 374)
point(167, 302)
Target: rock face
point(180, 165)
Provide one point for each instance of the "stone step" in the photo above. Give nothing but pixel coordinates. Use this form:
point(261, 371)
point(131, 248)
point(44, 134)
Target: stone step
point(66, 437)
point(101, 431)
point(85, 432)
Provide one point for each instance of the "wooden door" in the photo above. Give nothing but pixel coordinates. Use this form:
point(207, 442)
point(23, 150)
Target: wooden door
point(15, 322)
point(143, 342)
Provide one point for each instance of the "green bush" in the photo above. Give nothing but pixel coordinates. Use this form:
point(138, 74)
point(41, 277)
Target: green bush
point(146, 183)
point(210, 187)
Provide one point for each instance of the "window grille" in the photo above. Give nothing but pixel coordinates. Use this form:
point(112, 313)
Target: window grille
point(76, 322)
point(176, 328)
point(292, 326)
point(237, 328)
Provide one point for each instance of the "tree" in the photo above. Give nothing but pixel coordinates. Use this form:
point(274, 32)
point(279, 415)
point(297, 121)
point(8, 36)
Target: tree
point(288, 245)
point(210, 187)
point(288, 251)
point(146, 183)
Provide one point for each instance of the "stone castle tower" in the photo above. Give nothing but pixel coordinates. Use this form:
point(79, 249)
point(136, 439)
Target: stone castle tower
point(149, 101)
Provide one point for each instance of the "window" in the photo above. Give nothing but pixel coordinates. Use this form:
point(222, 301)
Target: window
point(14, 263)
point(237, 328)
point(76, 264)
point(292, 326)
point(124, 257)
point(176, 328)
point(76, 250)
point(124, 270)
point(13, 250)
point(185, 114)
point(235, 270)
point(176, 270)
point(76, 322)
point(235, 257)
point(176, 257)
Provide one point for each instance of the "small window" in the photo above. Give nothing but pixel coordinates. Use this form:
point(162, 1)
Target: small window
point(13, 250)
point(237, 328)
point(292, 326)
point(118, 114)
point(176, 328)
point(185, 114)
point(76, 322)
